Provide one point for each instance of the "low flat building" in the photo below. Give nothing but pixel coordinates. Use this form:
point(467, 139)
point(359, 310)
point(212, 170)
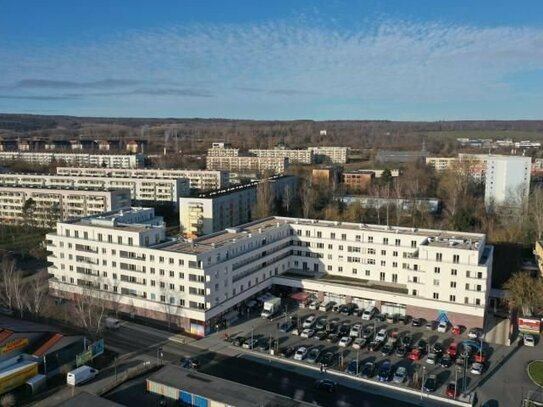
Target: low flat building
point(358, 181)
point(216, 210)
point(132, 266)
point(50, 204)
point(200, 180)
point(260, 165)
point(143, 191)
point(79, 159)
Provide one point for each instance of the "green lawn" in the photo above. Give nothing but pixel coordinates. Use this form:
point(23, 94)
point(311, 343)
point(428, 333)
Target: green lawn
point(535, 371)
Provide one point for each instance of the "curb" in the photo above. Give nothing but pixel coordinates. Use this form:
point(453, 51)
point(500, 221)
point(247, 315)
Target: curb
point(530, 376)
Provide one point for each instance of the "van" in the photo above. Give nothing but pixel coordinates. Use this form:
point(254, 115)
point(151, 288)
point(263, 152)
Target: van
point(369, 313)
point(112, 323)
point(327, 306)
point(81, 375)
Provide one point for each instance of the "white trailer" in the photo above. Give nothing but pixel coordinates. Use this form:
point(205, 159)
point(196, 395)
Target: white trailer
point(271, 307)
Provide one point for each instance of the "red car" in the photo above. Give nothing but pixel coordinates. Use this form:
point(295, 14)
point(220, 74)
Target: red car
point(415, 354)
point(452, 350)
point(456, 330)
point(479, 357)
point(451, 391)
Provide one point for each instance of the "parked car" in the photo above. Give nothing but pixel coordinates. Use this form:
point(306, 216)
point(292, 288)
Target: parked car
point(430, 384)
point(369, 313)
point(451, 391)
point(400, 375)
point(381, 335)
point(422, 345)
point(392, 318)
point(314, 304)
point(345, 341)
point(356, 330)
point(387, 349)
point(333, 338)
point(332, 327)
point(321, 323)
point(430, 325)
point(321, 335)
point(385, 372)
point(415, 354)
point(368, 370)
point(301, 353)
point(327, 306)
point(263, 344)
point(286, 326)
point(456, 330)
point(416, 322)
point(287, 351)
point(239, 341)
point(353, 367)
point(307, 333)
point(329, 359)
point(528, 340)
point(375, 346)
point(437, 348)
point(452, 350)
point(406, 340)
point(477, 368)
point(368, 332)
point(401, 351)
point(313, 355)
point(475, 333)
point(309, 321)
point(442, 327)
point(479, 357)
point(404, 319)
point(445, 361)
point(326, 385)
point(359, 343)
point(250, 343)
point(431, 358)
point(345, 329)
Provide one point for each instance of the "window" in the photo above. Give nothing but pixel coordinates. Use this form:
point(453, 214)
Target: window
point(452, 298)
point(367, 273)
point(437, 270)
point(382, 276)
point(477, 301)
point(383, 252)
point(162, 285)
point(439, 256)
point(436, 296)
point(453, 284)
point(343, 236)
point(355, 271)
point(479, 274)
point(436, 282)
point(385, 240)
point(394, 264)
point(397, 242)
point(182, 288)
point(330, 246)
point(454, 272)
point(172, 286)
point(415, 279)
point(371, 251)
point(182, 302)
point(172, 274)
point(383, 263)
point(467, 286)
point(332, 235)
point(329, 268)
point(181, 275)
point(340, 247)
point(413, 244)
point(319, 234)
point(466, 300)
point(307, 233)
point(340, 269)
point(357, 238)
point(456, 258)
point(468, 273)
point(120, 239)
point(394, 278)
point(478, 287)
point(370, 239)
point(414, 292)
point(395, 253)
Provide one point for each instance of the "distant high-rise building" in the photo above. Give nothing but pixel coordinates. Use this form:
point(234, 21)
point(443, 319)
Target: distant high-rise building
point(507, 180)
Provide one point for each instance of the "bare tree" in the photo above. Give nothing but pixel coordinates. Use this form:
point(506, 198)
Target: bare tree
point(525, 293)
point(36, 289)
point(307, 197)
point(8, 272)
point(287, 199)
point(264, 200)
point(536, 211)
point(90, 310)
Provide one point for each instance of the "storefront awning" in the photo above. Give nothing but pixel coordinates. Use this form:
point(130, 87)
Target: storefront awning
point(300, 296)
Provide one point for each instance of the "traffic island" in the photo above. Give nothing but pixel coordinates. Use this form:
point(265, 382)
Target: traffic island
point(535, 372)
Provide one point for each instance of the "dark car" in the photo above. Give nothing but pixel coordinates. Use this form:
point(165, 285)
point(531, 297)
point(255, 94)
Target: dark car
point(353, 367)
point(402, 351)
point(406, 340)
point(325, 385)
point(380, 317)
point(286, 326)
point(430, 384)
point(374, 346)
point(385, 372)
point(239, 341)
point(387, 349)
point(417, 322)
point(263, 344)
point(421, 345)
point(368, 332)
point(445, 361)
point(344, 329)
point(368, 370)
point(332, 327)
point(321, 323)
point(404, 319)
point(329, 359)
point(333, 338)
point(437, 348)
point(287, 351)
point(431, 325)
point(392, 318)
point(321, 335)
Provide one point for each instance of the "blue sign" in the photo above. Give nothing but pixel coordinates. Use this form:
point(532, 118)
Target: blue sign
point(442, 316)
point(97, 348)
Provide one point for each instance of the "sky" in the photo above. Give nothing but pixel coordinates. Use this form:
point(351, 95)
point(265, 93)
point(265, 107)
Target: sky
point(281, 60)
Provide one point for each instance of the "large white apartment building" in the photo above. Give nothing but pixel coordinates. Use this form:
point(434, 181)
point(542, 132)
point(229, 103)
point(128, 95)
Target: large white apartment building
point(334, 155)
point(222, 150)
point(50, 204)
point(126, 260)
point(200, 180)
point(294, 156)
point(507, 180)
point(79, 159)
point(274, 165)
point(216, 210)
point(146, 191)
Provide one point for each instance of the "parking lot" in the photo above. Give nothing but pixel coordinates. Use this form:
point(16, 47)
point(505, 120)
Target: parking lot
point(419, 373)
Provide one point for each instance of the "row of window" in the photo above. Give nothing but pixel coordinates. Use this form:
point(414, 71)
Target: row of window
point(358, 238)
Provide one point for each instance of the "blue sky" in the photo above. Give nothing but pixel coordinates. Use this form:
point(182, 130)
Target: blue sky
point(397, 60)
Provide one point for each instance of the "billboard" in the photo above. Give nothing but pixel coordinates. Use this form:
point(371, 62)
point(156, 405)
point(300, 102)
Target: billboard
point(83, 358)
point(529, 325)
point(97, 348)
point(17, 377)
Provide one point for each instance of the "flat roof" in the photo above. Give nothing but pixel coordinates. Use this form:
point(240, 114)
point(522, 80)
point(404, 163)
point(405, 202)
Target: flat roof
point(440, 238)
point(220, 390)
point(233, 189)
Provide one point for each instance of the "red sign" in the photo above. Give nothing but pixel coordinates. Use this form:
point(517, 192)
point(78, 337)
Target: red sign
point(529, 325)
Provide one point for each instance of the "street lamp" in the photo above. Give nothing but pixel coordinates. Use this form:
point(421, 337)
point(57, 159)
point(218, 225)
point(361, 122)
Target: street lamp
point(159, 355)
point(422, 382)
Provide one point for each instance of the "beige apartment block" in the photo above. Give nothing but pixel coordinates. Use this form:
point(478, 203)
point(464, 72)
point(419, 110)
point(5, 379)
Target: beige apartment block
point(247, 164)
point(294, 156)
point(126, 259)
point(79, 159)
point(334, 155)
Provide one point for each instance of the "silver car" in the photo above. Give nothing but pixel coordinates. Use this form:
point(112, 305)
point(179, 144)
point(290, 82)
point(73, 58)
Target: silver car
point(400, 375)
point(313, 355)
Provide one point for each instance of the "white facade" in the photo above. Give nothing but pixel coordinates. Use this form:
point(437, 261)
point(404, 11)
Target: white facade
point(217, 210)
point(90, 160)
point(142, 190)
point(507, 180)
point(200, 180)
point(247, 164)
point(222, 150)
point(335, 155)
point(127, 259)
point(53, 204)
point(294, 156)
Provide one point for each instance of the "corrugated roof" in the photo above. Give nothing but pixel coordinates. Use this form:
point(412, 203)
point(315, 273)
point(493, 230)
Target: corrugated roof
point(48, 344)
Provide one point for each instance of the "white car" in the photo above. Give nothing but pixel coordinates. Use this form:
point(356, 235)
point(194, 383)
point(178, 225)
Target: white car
point(355, 330)
point(381, 335)
point(314, 305)
point(431, 359)
point(301, 353)
point(307, 333)
point(529, 340)
point(477, 368)
point(475, 333)
point(345, 341)
point(309, 321)
point(442, 327)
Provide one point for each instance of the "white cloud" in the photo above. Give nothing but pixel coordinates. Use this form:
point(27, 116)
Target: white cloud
point(394, 61)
